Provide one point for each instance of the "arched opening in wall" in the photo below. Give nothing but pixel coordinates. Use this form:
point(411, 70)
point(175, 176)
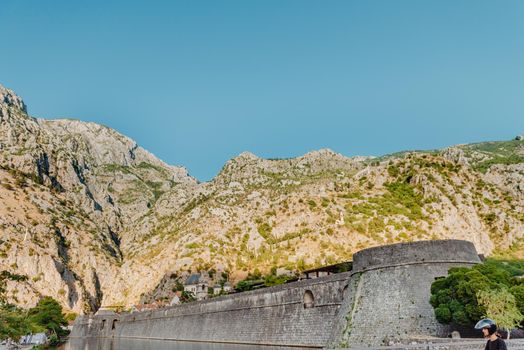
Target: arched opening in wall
point(103, 324)
point(309, 299)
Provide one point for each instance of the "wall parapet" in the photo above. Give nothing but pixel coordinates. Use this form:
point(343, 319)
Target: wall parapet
point(410, 253)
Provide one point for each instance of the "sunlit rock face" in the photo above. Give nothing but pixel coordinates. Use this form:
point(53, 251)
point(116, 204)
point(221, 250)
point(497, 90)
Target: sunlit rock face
point(93, 219)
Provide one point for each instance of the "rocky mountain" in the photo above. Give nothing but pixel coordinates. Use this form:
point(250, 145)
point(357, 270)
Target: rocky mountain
point(93, 219)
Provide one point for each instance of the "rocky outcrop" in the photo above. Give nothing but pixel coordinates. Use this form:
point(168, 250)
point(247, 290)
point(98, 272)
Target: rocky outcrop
point(9, 98)
point(93, 219)
point(78, 184)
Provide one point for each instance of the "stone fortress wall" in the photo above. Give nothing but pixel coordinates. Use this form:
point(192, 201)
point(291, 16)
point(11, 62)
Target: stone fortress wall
point(272, 316)
point(389, 291)
point(384, 297)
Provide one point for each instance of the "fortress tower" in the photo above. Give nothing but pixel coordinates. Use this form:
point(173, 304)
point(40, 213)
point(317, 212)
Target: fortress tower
point(389, 290)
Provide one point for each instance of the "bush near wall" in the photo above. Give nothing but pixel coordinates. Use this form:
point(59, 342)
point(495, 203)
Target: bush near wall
point(454, 298)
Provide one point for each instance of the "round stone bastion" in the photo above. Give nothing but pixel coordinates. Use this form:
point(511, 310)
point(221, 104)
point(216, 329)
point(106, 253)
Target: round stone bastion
point(389, 291)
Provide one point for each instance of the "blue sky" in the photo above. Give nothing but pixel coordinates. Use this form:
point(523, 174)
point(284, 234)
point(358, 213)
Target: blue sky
point(198, 82)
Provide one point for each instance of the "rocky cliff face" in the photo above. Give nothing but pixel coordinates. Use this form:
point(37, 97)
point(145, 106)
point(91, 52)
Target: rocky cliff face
point(93, 219)
point(68, 192)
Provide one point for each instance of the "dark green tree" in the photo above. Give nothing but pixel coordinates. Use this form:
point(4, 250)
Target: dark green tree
point(48, 315)
point(249, 284)
point(454, 297)
point(187, 297)
point(518, 293)
point(257, 280)
point(14, 323)
point(13, 320)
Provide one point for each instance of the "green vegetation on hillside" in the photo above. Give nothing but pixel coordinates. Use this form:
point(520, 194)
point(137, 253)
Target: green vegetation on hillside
point(485, 165)
point(480, 155)
point(368, 215)
point(500, 152)
point(140, 184)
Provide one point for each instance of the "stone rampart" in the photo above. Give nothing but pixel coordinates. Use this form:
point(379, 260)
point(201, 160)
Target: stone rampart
point(384, 298)
point(270, 316)
point(389, 291)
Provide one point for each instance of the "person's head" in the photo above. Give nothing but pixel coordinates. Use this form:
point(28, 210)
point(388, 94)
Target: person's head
point(487, 326)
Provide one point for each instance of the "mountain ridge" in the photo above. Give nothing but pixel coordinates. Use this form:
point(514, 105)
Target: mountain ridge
point(94, 219)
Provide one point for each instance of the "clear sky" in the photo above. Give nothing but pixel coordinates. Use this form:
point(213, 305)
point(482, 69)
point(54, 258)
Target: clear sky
point(198, 82)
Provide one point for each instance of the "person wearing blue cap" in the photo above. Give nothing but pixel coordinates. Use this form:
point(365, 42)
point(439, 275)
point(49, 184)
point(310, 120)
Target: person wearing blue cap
point(489, 330)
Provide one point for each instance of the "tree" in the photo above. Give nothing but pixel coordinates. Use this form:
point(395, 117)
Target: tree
point(249, 284)
point(13, 321)
point(518, 293)
point(257, 280)
point(48, 315)
point(274, 280)
point(455, 296)
point(187, 297)
point(501, 307)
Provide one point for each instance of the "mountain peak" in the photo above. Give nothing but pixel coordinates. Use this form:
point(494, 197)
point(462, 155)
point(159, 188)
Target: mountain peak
point(320, 153)
point(9, 98)
point(246, 156)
